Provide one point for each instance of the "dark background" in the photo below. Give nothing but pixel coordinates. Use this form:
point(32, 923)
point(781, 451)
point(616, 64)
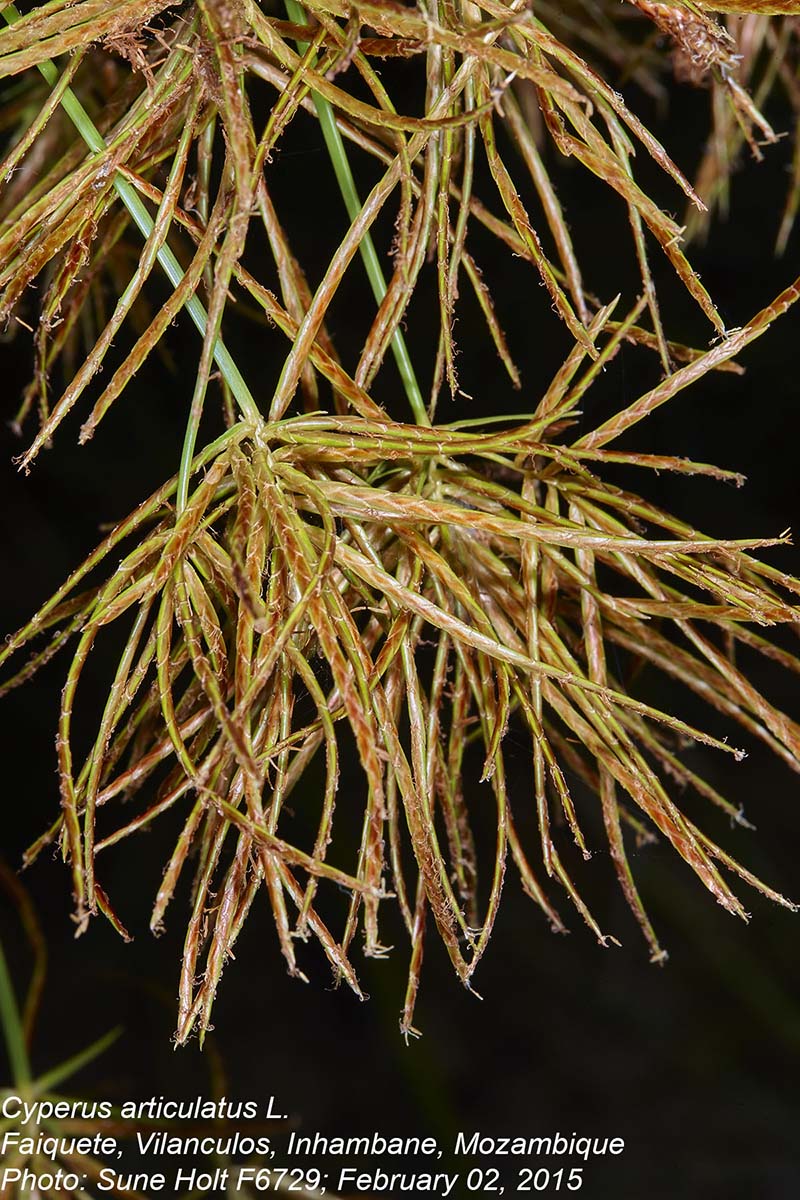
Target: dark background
point(695, 1064)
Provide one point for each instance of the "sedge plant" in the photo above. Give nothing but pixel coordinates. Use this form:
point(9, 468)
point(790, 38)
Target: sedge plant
point(330, 573)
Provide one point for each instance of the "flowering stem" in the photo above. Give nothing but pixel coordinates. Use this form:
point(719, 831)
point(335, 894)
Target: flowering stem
point(144, 222)
point(347, 186)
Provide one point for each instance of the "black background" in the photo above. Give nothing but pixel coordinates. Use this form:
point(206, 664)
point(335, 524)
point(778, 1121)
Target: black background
point(695, 1064)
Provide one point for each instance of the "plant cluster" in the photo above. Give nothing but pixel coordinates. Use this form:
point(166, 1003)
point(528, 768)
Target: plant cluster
point(326, 570)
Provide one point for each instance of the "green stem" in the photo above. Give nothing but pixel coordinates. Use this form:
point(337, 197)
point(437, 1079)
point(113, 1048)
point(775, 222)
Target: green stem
point(347, 186)
point(12, 1027)
point(52, 1078)
point(142, 219)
